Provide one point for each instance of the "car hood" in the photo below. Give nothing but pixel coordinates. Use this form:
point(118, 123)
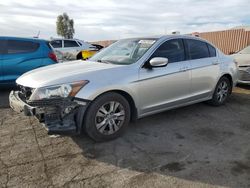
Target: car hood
point(242, 59)
point(62, 73)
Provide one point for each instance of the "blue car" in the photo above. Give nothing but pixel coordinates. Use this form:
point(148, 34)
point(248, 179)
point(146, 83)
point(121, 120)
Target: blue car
point(19, 55)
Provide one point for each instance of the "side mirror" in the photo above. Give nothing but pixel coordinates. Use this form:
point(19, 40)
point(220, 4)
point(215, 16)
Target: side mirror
point(158, 62)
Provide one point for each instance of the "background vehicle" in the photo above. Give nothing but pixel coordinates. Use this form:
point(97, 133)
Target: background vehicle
point(243, 59)
point(98, 46)
point(86, 54)
point(19, 55)
point(130, 79)
point(70, 49)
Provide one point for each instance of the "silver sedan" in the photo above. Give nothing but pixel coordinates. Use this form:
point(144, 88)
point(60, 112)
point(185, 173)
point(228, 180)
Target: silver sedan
point(130, 79)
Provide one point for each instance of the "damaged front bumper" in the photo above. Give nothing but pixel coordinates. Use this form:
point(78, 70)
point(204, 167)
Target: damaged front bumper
point(59, 115)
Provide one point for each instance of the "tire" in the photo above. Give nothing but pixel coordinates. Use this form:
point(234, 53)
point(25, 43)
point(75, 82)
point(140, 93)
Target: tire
point(102, 123)
point(222, 92)
point(79, 56)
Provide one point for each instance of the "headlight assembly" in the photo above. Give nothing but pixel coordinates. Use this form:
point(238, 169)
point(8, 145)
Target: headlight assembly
point(58, 91)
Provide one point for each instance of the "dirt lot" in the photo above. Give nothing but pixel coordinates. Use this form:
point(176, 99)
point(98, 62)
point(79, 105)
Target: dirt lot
point(195, 146)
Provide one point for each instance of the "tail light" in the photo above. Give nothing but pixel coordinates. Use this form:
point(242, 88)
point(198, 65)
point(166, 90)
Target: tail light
point(53, 57)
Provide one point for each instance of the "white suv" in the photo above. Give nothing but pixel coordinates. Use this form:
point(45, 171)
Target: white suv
point(70, 49)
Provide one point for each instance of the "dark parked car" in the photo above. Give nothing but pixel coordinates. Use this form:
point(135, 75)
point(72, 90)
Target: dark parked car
point(20, 55)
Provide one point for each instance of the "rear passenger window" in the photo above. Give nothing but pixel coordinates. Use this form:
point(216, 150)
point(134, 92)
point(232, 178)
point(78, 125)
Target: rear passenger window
point(172, 49)
point(70, 43)
point(56, 43)
point(197, 49)
point(18, 46)
point(212, 50)
point(3, 47)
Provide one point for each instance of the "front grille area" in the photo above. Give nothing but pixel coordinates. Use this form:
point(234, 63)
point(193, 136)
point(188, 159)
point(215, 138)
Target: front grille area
point(47, 102)
point(244, 75)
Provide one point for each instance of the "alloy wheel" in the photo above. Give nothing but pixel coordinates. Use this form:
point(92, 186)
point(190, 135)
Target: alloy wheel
point(222, 91)
point(110, 117)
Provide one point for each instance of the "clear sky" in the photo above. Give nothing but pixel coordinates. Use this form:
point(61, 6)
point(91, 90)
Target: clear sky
point(115, 19)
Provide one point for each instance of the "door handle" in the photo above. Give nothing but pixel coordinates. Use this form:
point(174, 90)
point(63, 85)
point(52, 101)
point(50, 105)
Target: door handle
point(183, 69)
point(215, 62)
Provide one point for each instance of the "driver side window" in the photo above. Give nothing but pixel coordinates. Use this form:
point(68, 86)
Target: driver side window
point(171, 49)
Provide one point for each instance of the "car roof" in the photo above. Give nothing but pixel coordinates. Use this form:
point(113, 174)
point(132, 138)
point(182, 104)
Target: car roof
point(156, 37)
point(63, 39)
point(187, 36)
point(173, 36)
point(23, 38)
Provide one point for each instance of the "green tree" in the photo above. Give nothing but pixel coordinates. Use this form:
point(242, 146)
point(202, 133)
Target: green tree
point(65, 26)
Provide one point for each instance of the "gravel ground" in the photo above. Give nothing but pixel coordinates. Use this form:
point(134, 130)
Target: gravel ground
point(194, 146)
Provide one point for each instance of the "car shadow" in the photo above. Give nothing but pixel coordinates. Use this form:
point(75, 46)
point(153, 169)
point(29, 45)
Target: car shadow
point(199, 143)
point(4, 96)
point(244, 86)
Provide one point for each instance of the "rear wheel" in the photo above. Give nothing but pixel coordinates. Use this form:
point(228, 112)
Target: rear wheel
point(79, 56)
point(222, 92)
point(107, 117)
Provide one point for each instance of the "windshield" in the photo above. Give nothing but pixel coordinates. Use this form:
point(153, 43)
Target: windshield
point(124, 52)
point(245, 50)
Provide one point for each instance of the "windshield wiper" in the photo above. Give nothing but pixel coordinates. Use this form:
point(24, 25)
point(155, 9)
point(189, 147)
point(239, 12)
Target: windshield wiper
point(103, 61)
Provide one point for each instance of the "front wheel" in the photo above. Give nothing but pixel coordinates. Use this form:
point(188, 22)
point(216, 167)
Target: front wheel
point(222, 92)
point(107, 117)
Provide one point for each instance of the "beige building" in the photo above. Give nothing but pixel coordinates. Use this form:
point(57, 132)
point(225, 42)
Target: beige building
point(228, 41)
